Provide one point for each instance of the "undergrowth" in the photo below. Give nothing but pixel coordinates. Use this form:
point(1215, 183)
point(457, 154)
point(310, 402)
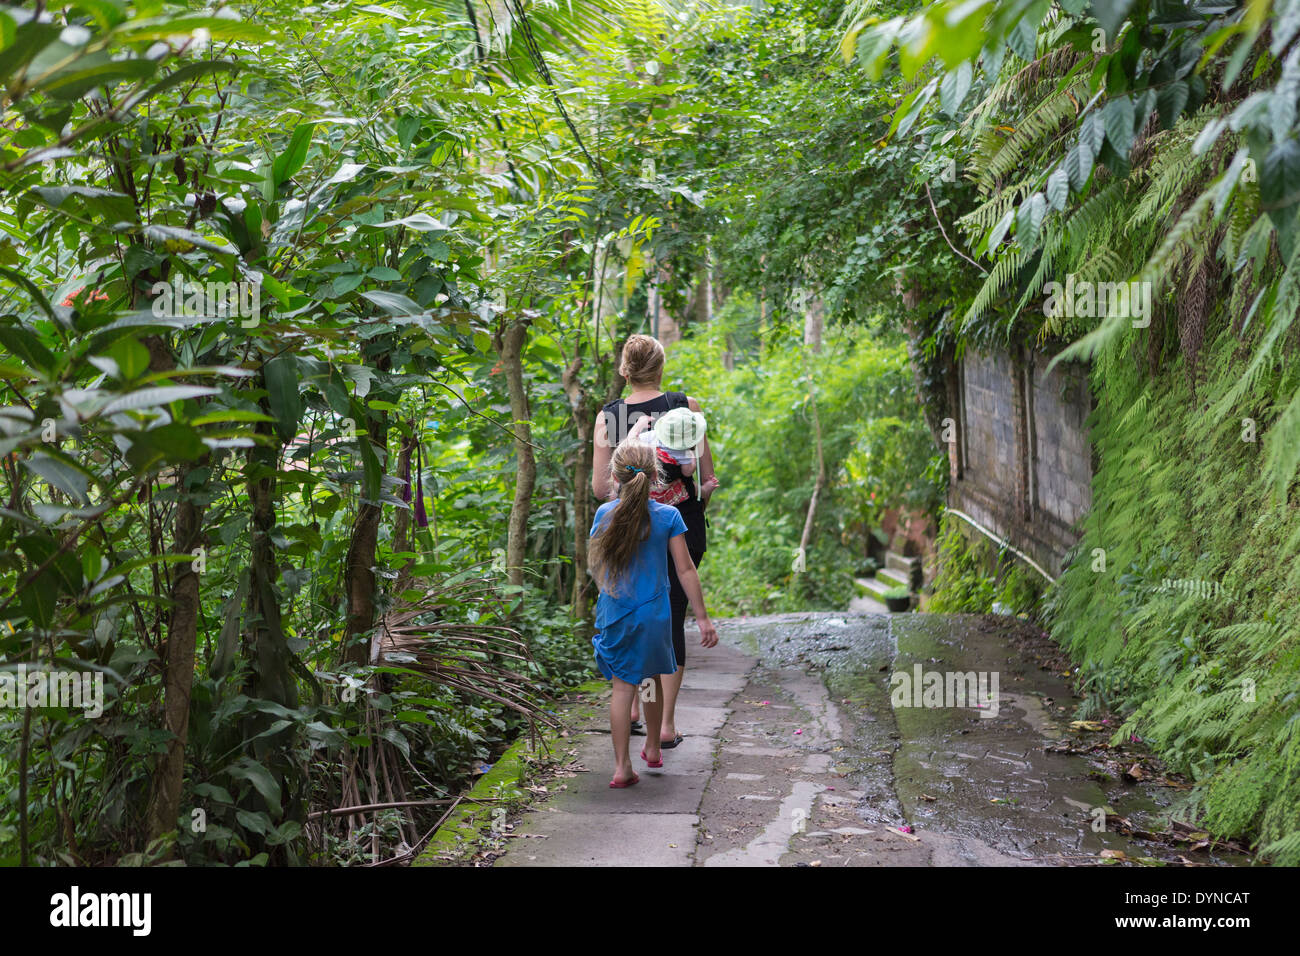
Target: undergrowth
point(1183, 603)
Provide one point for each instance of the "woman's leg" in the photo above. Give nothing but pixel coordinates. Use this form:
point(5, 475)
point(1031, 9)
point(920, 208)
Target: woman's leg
point(620, 728)
point(673, 682)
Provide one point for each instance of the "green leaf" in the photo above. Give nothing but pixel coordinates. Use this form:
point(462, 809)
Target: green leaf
point(27, 346)
point(91, 71)
point(92, 561)
point(1110, 14)
point(1058, 188)
point(407, 127)
point(259, 822)
point(179, 76)
point(999, 231)
point(294, 156)
point(419, 222)
point(1170, 102)
point(60, 474)
point(281, 374)
point(394, 303)
point(153, 397)
point(174, 443)
point(1078, 165)
point(1029, 219)
point(373, 470)
point(1118, 118)
point(261, 780)
point(1279, 176)
point(952, 91)
point(176, 239)
point(1023, 38)
point(131, 357)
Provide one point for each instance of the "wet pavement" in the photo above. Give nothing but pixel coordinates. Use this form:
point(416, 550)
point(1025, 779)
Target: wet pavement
point(867, 740)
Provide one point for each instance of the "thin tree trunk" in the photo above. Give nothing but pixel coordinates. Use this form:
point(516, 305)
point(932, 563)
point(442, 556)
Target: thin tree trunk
point(813, 322)
point(178, 676)
point(511, 344)
point(404, 522)
point(272, 677)
point(820, 484)
point(359, 574)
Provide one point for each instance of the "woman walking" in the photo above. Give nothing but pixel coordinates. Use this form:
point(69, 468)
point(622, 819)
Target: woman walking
point(632, 541)
point(642, 366)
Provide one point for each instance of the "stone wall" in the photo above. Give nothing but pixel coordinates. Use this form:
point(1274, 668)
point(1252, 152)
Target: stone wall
point(1022, 462)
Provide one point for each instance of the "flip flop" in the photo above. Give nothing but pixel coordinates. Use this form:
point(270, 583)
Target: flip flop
point(656, 764)
point(638, 729)
point(615, 785)
point(670, 744)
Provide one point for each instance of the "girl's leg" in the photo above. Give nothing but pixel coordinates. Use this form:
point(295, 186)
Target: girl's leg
point(654, 713)
point(672, 685)
point(620, 728)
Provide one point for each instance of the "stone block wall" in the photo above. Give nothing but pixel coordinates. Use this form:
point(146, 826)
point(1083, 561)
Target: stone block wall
point(1023, 461)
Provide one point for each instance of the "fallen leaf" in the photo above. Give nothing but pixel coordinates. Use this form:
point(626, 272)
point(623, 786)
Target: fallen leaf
point(1113, 855)
point(1085, 725)
point(926, 796)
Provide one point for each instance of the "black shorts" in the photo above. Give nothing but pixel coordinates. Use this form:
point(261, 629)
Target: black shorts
point(680, 603)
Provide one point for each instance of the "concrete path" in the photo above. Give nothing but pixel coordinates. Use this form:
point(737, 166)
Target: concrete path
point(795, 754)
point(754, 783)
point(653, 823)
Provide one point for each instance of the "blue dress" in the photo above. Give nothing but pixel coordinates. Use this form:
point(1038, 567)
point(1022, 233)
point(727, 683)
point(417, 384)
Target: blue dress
point(634, 630)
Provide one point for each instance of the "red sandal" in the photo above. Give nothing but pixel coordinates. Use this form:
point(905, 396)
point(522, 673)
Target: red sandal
point(615, 785)
point(657, 763)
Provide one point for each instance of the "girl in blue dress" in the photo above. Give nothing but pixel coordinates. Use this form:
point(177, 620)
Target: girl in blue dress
point(631, 540)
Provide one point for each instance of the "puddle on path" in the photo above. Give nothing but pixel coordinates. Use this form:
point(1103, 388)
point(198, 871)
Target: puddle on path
point(969, 778)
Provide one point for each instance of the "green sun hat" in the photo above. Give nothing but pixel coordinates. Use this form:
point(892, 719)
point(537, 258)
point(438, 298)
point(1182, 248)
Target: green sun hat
point(680, 428)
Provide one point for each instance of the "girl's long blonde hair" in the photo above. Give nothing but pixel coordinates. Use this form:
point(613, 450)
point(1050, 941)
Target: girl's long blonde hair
point(635, 467)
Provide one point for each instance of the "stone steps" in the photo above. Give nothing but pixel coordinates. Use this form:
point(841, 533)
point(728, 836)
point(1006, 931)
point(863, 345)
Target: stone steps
point(873, 588)
point(902, 569)
point(891, 577)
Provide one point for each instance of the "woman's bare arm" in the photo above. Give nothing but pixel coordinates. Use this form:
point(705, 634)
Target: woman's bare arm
point(600, 484)
point(690, 579)
point(708, 479)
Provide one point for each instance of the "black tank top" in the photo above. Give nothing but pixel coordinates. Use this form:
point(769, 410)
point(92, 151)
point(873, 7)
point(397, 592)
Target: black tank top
point(621, 417)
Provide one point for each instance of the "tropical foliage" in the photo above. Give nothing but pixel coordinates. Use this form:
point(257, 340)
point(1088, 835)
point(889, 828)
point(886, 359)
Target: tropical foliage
point(308, 312)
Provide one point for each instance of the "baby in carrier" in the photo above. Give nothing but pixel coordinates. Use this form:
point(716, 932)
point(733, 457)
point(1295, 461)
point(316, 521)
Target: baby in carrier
point(674, 436)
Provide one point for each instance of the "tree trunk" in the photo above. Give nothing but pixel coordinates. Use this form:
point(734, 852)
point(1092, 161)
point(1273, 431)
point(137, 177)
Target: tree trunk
point(403, 522)
point(582, 512)
point(510, 343)
point(359, 566)
point(820, 483)
point(813, 322)
point(178, 675)
point(272, 677)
